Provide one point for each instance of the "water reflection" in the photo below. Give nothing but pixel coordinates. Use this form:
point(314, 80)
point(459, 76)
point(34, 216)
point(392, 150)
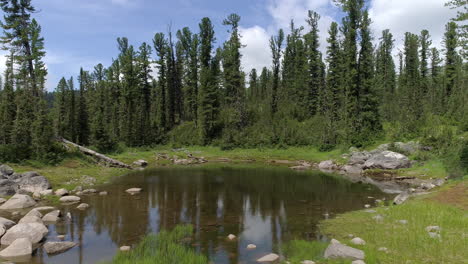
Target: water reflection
point(264, 207)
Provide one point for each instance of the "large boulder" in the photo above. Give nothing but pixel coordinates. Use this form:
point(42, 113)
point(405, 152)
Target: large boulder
point(7, 223)
point(359, 158)
point(35, 232)
point(327, 165)
point(19, 248)
point(8, 187)
point(33, 182)
point(58, 247)
point(387, 160)
point(53, 216)
point(401, 198)
point(30, 219)
point(6, 170)
point(336, 250)
point(18, 201)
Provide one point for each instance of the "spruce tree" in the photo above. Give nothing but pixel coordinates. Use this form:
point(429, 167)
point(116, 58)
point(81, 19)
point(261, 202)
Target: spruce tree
point(386, 75)
point(451, 43)
point(82, 127)
point(160, 46)
point(314, 64)
point(276, 44)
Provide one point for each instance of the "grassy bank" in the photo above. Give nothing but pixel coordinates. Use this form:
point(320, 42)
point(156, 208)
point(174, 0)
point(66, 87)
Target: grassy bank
point(406, 243)
point(164, 248)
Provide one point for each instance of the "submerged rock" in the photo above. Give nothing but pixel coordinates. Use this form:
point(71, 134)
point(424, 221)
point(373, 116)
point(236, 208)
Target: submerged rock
point(268, 258)
point(70, 199)
point(133, 190)
point(21, 247)
point(58, 247)
point(18, 201)
point(83, 206)
point(336, 250)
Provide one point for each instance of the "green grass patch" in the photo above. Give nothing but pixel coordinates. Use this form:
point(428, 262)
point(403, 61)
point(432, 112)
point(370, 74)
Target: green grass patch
point(164, 248)
point(407, 243)
point(426, 170)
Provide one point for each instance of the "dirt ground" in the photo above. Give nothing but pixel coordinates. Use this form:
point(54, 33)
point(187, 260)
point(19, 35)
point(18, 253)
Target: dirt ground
point(456, 196)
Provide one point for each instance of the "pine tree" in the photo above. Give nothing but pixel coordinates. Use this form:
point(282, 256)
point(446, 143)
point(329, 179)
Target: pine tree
point(386, 75)
point(7, 104)
point(314, 64)
point(451, 42)
point(60, 107)
point(276, 44)
point(82, 128)
point(160, 45)
point(207, 96)
point(425, 43)
point(254, 93)
point(144, 100)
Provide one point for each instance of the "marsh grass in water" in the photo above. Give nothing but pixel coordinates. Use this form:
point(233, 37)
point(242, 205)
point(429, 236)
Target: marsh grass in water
point(166, 247)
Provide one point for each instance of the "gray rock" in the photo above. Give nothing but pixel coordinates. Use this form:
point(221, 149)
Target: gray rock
point(89, 191)
point(359, 158)
point(58, 247)
point(35, 232)
point(358, 262)
point(8, 187)
point(371, 211)
point(61, 192)
point(124, 248)
point(378, 218)
point(387, 160)
point(53, 216)
point(34, 212)
point(133, 190)
point(352, 169)
point(427, 186)
point(251, 246)
point(439, 182)
point(269, 258)
point(2, 200)
point(403, 222)
point(409, 147)
point(44, 208)
point(78, 189)
point(140, 163)
point(2, 230)
point(307, 262)
point(7, 223)
point(6, 170)
point(401, 198)
point(434, 235)
point(103, 193)
point(383, 249)
point(336, 250)
point(21, 247)
point(83, 206)
point(18, 201)
point(70, 199)
point(46, 192)
point(30, 219)
point(433, 229)
point(61, 237)
point(327, 165)
point(32, 182)
point(358, 241)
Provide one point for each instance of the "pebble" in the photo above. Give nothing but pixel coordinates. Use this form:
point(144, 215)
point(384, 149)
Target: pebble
point(124, 248)
point(358, 241)
point(403, 222)
point(103, 193)
point(367, 206)
point(251, 246)
point(383, 249)
point(61, 237)
point(231, 237)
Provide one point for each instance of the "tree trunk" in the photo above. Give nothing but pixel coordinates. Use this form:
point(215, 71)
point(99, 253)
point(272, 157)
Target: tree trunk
point(109, 161)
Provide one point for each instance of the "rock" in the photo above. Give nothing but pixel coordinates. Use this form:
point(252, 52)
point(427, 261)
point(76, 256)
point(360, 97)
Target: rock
point(371, 211)
point(18, 201)
point(53, 216)
point(46, 192)
point(58, 247)
point(33, 231)
point(409, 147)
point(251, 246)
point(30, 219)
point(307, 262)
point(327, 165)
point(33, 182)
point(427, 186)
point(434, 235)
point(44, 208)
point(61, 237)
point(83, 206)
point(22, 191)
point(433, 229)
point(124, 248)
point(387, 160)
point(403, 222)
point(383, 249)
point(34, 212)
point(352, 169)
point(69, 217)
point(359, 158)
point(6, 170)
point(61, 192)
point(439, 182)
point(2, 230)
point(87, 180)
point(336, 250)
point(103, 193)
point(231, 237)
point(299, 168)
point(140, 163)
point(6, 223)
point(2, 200)
point(70, 199)
point(268, 258)
point(377, 218)
point(89, 191)
point(358, 262)
point(367, 206)
point(134, 190)
point(8, 187)
point(21, 247)
point(401, 198)
point(78, 189)
point(36, 196)
point(358, 241)
point(350, 235)
point(79, 193)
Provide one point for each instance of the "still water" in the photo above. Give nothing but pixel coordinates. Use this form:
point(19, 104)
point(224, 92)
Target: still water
point(261, 206)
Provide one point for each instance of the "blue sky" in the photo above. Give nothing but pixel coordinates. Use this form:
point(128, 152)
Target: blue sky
point(83, 33)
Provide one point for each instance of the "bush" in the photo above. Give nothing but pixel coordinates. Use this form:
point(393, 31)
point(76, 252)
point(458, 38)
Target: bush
point(185, 134)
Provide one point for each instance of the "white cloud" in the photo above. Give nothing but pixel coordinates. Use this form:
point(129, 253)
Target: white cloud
point(402, 16)
point(256, 54)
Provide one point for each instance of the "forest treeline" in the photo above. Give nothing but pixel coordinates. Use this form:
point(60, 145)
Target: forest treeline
point(181, 88)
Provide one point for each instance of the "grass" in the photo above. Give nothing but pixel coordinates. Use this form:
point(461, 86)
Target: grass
point(407, 243)
point(164, 248)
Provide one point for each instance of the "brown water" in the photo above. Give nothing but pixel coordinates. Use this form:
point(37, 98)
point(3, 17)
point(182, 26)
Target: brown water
point(262, 206)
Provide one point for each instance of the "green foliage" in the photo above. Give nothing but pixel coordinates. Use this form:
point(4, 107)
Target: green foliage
point(297, 251)
point(166, 247)
point(184, 135)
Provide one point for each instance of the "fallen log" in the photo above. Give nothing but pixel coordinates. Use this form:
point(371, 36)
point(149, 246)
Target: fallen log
point(103, 158)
